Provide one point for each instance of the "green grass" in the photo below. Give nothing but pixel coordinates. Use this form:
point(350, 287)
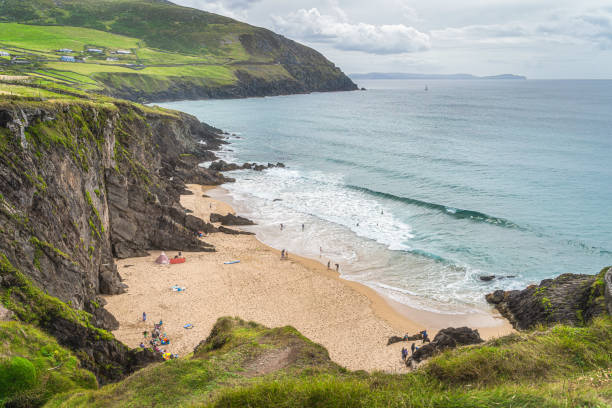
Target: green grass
point(218, 74)
point(33, 367)
point(32, 92)
point(557, 367)
point(86, 68)
point(51, 38)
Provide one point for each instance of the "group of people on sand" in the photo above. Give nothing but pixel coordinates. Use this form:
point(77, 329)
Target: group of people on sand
point(157, 339)
point(285, 253)
point(414, 347)
point(337, 266)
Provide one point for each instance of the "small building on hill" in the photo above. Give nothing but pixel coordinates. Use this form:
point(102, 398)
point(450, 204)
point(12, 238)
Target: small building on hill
point(94, 50)
point(4, 54)
point(124, 52)
point(67, 50)
point(67, 58)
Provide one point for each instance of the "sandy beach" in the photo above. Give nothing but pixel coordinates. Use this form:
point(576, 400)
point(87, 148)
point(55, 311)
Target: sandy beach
point(351, 320)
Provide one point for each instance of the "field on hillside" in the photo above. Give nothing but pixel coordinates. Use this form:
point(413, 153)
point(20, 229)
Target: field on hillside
point(51, 38)
point(39, 45)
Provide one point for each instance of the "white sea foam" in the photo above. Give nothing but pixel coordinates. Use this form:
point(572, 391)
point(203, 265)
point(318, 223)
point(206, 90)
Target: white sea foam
point(353, 229)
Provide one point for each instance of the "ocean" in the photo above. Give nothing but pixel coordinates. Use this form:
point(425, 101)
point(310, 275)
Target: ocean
point(418, 193)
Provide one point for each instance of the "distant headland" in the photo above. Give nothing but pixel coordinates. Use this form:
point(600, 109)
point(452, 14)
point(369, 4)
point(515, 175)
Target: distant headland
point(400, 75)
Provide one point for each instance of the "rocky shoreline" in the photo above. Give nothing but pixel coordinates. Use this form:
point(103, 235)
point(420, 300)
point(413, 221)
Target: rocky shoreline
point(569, 298)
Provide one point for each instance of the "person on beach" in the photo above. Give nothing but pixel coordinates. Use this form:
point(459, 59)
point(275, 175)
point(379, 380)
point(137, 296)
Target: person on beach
point(337, 268)
point(145, 334)
point(281, 227)
point(412, 348)
point(328, 264)
point(425, 337)
point(302, 227)
point(320, 251)
point(144, 316)
point(404, 353)
point(283, 254)
point(286, 254)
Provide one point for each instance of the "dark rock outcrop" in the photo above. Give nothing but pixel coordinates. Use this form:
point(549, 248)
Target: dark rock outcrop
point(221, 165)
point(446, 338)
point(487, 278)
point(234, 232)
point(569, 298)
point(109, 359)
point(397, 339)
point(230, 219)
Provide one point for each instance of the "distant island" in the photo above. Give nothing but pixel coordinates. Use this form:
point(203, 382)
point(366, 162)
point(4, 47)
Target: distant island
point(400, 75)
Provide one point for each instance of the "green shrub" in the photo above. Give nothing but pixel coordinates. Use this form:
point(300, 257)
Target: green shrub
point(16, 376)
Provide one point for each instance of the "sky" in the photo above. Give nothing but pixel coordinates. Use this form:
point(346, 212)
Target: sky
point(536, 38)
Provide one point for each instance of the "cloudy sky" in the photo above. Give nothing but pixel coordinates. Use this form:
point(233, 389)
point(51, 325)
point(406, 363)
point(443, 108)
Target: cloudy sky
point(537, 38)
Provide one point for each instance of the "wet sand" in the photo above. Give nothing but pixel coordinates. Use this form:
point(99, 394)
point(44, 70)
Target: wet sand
point(351, 320)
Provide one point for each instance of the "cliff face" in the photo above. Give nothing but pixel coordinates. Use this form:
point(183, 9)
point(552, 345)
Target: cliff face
point(83, 183)
point(568, 298)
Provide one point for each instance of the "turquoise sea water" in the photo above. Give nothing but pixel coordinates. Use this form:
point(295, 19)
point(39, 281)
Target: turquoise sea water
point(418, 193)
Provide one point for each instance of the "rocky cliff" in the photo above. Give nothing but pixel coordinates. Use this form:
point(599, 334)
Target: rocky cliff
point(569, 298)
point(80, 184)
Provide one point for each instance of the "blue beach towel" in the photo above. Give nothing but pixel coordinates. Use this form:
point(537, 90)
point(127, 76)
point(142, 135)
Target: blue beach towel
point(232, 262)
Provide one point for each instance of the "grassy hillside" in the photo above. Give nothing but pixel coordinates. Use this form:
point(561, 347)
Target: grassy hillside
point(165, 51)
point(33, 367)
point(244, 364)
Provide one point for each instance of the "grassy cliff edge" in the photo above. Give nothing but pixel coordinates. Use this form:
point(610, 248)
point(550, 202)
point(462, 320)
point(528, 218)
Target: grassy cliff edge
point(245, 364)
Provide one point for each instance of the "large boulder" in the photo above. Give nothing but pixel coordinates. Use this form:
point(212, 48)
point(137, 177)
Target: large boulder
point(397, 339)
point(450, 337)
point(234, 232)
point(569, 298)
point(230, 219)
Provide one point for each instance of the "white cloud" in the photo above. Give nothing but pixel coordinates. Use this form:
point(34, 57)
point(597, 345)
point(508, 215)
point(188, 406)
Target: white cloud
point(593, 28)
point(311, 25)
